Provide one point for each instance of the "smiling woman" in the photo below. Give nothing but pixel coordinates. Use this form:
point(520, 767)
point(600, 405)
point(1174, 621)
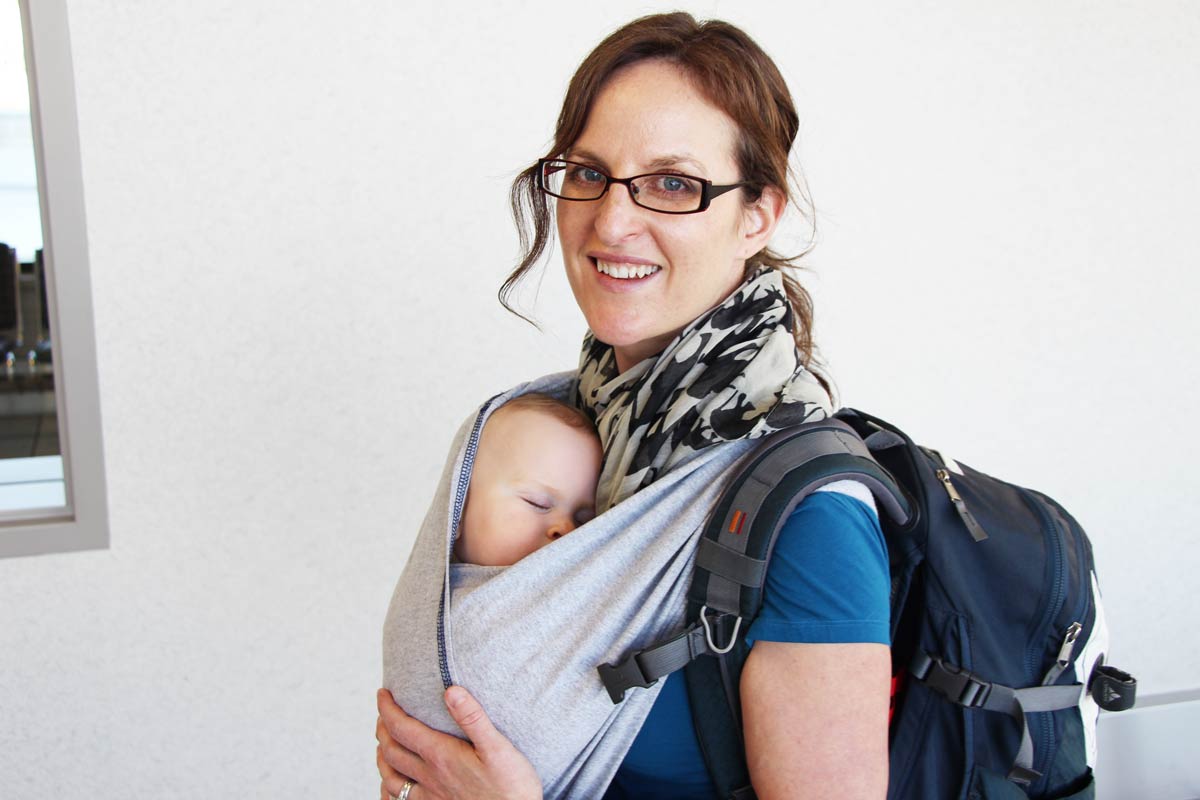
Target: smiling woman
point(699, 343)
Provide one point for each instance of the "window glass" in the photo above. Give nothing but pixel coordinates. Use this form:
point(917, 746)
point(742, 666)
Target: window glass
point(31, 468)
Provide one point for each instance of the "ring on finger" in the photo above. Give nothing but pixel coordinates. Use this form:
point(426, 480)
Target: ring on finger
point(406, 789)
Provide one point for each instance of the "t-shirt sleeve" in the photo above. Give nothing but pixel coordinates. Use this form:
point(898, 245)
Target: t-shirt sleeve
point(828, 580)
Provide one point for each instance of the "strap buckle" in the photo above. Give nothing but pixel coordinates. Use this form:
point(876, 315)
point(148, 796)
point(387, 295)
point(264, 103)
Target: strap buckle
point(624, 675)
point(957, 685)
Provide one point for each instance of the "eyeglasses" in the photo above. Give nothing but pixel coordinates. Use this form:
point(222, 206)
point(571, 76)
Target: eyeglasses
point(666, 192)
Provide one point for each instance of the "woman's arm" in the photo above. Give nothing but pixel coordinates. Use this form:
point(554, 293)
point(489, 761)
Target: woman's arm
point(445, 767)
point(815, 718)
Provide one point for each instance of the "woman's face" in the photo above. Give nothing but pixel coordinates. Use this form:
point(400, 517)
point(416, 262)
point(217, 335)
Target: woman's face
point(649, 118)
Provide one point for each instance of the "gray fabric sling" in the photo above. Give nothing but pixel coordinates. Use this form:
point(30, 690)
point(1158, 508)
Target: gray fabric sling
point(526, 639)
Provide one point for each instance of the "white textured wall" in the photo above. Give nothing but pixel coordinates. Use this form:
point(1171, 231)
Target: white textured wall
point(297, 222)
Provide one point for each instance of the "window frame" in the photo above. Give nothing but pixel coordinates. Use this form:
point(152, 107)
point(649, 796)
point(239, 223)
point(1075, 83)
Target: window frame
point(82, 524)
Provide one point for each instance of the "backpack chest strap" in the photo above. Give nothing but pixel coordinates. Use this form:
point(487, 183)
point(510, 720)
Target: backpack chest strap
point(965, 688)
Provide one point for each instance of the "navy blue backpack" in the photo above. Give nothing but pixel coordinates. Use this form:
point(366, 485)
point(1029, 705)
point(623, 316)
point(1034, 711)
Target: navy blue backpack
point(998, 637)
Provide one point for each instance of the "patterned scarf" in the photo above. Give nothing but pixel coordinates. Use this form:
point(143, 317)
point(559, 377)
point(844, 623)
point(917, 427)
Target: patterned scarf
point(733, 373)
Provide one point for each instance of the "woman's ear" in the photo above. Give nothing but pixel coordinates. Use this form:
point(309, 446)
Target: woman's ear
point(759, 220)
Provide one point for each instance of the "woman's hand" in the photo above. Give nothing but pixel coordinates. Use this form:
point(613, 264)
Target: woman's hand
point(444, 767)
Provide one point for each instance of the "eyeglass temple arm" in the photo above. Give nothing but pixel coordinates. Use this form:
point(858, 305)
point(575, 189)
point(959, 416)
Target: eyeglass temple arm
point(717, 191)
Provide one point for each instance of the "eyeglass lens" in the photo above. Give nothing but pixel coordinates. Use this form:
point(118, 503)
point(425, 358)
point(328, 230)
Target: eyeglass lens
point(663, 192)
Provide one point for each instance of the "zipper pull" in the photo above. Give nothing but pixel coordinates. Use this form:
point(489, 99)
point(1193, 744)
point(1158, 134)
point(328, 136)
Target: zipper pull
point(1068, 645)
point(977, 531)
point(1064, 654)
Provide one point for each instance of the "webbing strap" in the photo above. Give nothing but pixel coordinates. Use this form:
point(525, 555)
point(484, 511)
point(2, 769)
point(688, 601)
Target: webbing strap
point(729, 563)
point(969, 690)
point(1019, 702)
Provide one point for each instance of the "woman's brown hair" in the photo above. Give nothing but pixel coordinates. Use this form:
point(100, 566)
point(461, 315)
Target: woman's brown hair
point(735, 75)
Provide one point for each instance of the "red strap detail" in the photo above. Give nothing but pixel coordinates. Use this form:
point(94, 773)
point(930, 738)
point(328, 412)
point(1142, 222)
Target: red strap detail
point(897, 681)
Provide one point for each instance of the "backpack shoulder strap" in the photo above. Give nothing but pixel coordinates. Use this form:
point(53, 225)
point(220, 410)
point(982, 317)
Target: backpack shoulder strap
point(739, 538)
point(731, 566)
point(731, 559)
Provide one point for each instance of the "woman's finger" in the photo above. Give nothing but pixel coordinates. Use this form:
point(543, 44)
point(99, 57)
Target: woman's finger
point(397, 725)
point(470, 716)
point(415, 793)
point(392, 784)
point(394, 759)
point(409, 733)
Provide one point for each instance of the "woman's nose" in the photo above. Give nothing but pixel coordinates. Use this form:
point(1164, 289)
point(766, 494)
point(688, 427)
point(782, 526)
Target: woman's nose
point(618, 217)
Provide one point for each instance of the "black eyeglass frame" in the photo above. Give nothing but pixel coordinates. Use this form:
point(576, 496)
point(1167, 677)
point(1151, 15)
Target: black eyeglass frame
point(708, 189)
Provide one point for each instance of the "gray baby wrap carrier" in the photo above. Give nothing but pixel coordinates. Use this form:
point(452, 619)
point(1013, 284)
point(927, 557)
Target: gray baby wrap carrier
point(526, 639)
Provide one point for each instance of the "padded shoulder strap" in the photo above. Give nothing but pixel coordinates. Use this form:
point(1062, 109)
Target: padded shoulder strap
point(787, 467)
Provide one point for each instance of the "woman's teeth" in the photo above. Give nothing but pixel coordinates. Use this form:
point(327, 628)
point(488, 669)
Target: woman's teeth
point(626, 270)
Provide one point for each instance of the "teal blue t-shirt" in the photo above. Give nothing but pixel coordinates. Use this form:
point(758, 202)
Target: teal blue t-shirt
point(828, 583)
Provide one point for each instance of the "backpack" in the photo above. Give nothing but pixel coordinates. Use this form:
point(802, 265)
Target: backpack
point(998, 636)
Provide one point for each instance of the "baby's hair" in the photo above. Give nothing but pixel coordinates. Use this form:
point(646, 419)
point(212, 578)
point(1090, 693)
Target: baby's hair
point(536, 401)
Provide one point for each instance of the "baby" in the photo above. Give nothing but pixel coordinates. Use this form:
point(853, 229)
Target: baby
point(533, 481)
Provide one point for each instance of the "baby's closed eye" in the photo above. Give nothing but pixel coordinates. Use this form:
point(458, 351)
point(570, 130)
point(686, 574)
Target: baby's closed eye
point(540, 503)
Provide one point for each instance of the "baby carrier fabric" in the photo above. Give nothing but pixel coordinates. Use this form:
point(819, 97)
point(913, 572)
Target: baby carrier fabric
point(526, 639)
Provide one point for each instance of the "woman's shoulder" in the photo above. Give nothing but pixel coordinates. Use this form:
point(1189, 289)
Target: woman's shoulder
point(829, 494)
point(828, 578)
point(834, 524)
point(831, 514)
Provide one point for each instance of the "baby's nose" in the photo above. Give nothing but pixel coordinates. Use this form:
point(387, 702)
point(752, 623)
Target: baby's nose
point(560, 527)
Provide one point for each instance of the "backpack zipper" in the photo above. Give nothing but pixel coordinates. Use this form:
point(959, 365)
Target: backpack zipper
point(976, 530)
point(1080, 612)
point(1058, 591)
point(460, 498)
point(1068, 645)
point(1065, 651)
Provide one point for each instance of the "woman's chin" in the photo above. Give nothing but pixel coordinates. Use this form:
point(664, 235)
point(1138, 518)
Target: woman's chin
point(632, 346)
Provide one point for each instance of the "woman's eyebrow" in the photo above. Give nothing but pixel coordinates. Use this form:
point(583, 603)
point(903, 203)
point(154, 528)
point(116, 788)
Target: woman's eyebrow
point(675, 161)
point(661, 162)
point(574, 153)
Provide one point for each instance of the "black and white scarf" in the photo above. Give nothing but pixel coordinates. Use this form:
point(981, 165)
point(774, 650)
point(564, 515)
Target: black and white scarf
point(733, 373)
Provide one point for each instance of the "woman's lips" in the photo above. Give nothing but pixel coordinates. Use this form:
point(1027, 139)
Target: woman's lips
point(623, 275)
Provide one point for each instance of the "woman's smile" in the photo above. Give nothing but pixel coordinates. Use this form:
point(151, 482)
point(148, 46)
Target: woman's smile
point(622, 273)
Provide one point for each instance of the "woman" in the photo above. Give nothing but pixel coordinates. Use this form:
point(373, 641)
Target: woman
point(670, 173)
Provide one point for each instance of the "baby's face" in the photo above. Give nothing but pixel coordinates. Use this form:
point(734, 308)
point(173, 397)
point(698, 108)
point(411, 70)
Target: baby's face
point(534, 480)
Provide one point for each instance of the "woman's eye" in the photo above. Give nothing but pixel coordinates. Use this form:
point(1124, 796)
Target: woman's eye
point(584, 175)
point(675, 185)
